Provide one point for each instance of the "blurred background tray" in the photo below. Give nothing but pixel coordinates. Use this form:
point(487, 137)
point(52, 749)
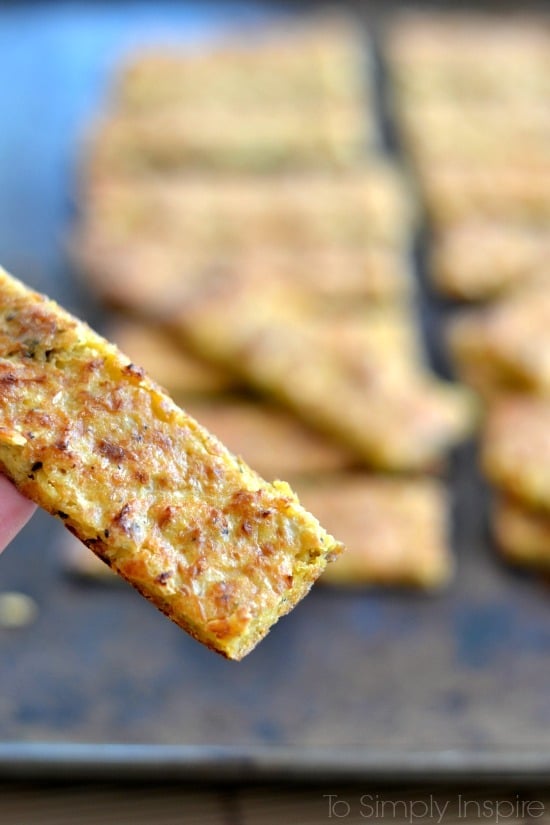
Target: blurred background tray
point(365, 684)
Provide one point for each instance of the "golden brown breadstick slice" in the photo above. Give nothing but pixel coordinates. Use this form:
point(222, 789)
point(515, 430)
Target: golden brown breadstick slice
point(275, 443)
point(477, 131)
point(516, 449)
point(85, 434)
point(469, 57)
point(227, 140)
point(393, 417)
point(507, 344)
point(334, 276)
point(395, 530)
point(478, 260)
point(501, 191)
point(522, 535)
point(240, 214)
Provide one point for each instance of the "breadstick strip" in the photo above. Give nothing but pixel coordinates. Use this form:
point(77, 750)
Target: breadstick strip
point(86, 435)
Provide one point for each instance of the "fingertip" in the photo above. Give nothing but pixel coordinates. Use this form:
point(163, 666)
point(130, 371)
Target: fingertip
point(15, 511)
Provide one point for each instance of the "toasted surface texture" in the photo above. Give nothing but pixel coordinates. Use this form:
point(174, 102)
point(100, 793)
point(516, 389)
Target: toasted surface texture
point(516, 449)
point(460, 129)
point(478, 260)
point(462, 190)
point(472, 56)
point(522, 535)
point(85, 434)
point(393, 415)
point(289, 138)
point(332, 275)
point(274, 443)
point(395, 531)
point(509, 341)
point(245, 212)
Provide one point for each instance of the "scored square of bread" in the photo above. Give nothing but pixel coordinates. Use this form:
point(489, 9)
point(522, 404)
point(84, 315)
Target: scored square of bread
point(86, 435)
point(479, 260)
point(508, 340)
point(522, 535)
point(333, 276)
point(395, 530)
point(442, 132)
point(275, 443)
point(516, 449)
point(393, 415)
point(469, 57)
point(465, 190)
point(244, 213)
point(196, 138)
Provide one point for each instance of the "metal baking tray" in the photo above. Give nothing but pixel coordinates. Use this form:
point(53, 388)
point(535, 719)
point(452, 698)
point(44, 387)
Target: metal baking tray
point(390, 685)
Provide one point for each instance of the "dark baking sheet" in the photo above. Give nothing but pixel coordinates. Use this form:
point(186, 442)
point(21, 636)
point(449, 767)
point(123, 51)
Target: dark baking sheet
point(381, 685)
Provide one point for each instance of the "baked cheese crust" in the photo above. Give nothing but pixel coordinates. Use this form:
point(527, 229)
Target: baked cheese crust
point(465, 129)
point(87, 436)
point(235, 214)
point(395, 530)
point(457, 191)
point(516, 449)
point(349, 386)
point(330, 137)
point(507, 343)
point(479, 260)
point(522, 535)
point(472, 57)
point(333, 276)
point(277, 444)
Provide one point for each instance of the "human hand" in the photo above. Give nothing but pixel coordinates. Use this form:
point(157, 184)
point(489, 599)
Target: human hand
point(15, 511)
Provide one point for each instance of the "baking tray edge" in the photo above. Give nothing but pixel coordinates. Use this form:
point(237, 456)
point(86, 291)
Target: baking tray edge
point(82, 761)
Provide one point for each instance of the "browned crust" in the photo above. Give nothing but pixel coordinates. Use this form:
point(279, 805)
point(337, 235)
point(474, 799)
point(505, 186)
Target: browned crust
point(516, 451)
point(396, 530)
point(392, 417)
point(522, 534)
